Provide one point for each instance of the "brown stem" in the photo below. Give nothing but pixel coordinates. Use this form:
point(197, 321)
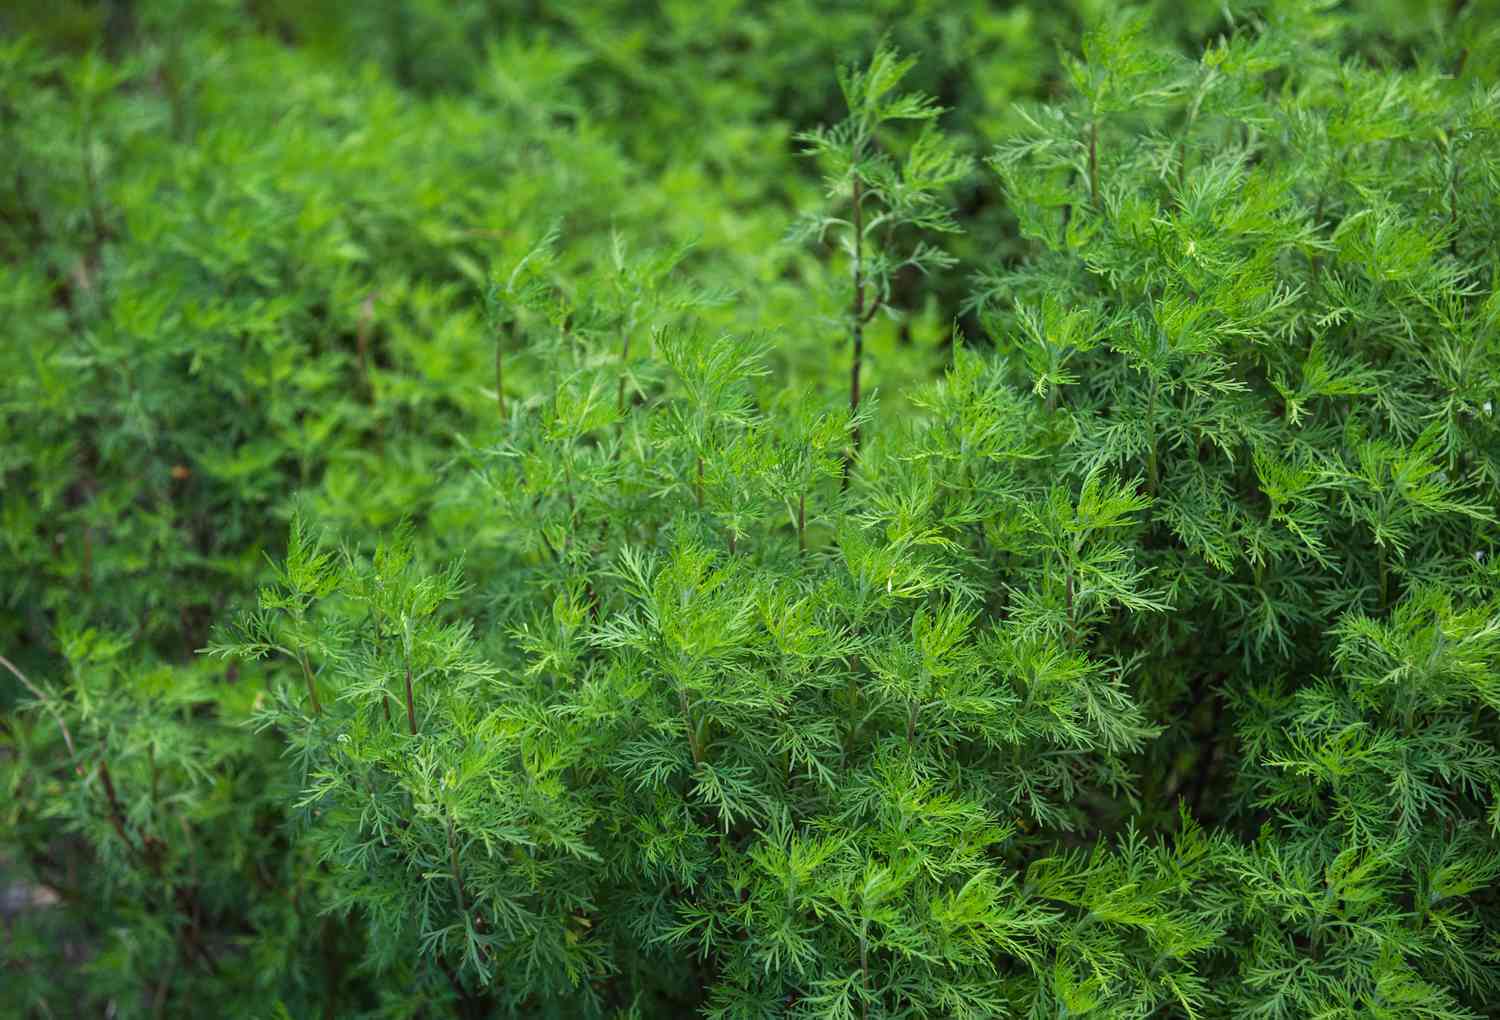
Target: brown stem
point(332, 966)
point(411, 708)
point(159, 999)
point(88, 558)
point(188, 907)
point(116, 816)
point(366, 315)
point(150, 855)
point(458, 988)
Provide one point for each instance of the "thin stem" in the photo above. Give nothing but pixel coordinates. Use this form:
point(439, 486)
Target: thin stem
point(857, 319)
point(312, 686)
point(1094, 162)
point(155, 775)
point(159, 999)
point(500, 371)
point(366, 317)
point(41, 696)
point(851, 693)
point(91, 179)
point(1328, 185)
point(88, 557)
point(116, 812)
point(1453, 201)
point(687, 715)
point(1385, 581)
point(1072, 614)
point(556, 556)
point(567, 462)
point(116, 816)
point(802, 521)
point(624, 360)
point(385, 694)
point(458, 878)
point(465, 1000)
point(1151, 464)
point(864, 969)
point(411, 708)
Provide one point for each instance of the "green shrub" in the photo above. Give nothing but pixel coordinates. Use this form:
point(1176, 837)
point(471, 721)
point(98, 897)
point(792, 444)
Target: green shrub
point(1113, 631)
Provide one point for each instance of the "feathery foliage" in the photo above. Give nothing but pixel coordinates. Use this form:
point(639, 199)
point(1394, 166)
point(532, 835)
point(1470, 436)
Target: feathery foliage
point(453, 567)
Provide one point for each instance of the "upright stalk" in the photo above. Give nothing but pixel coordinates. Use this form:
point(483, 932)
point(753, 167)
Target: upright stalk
point(155, 776)
point(1094, 162)
point(312, 686)
point(1385, 581)
point(858, 316)
point(411, 708)
point(116, 814)
point(1152, 468)
point(1072, 613)
point(362, 339)
point(385, 694)
point(864, 969)
point(692, 730)
point(500, 371)
point(91, 182)
point(857, 310)
point(1452, 201)
point(458, 878)
point(624, 360)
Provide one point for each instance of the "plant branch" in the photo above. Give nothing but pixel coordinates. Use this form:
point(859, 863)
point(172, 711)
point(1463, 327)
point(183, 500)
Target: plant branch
point(42, 697)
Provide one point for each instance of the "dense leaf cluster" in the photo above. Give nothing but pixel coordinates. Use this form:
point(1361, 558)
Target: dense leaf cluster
point(467, 558)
